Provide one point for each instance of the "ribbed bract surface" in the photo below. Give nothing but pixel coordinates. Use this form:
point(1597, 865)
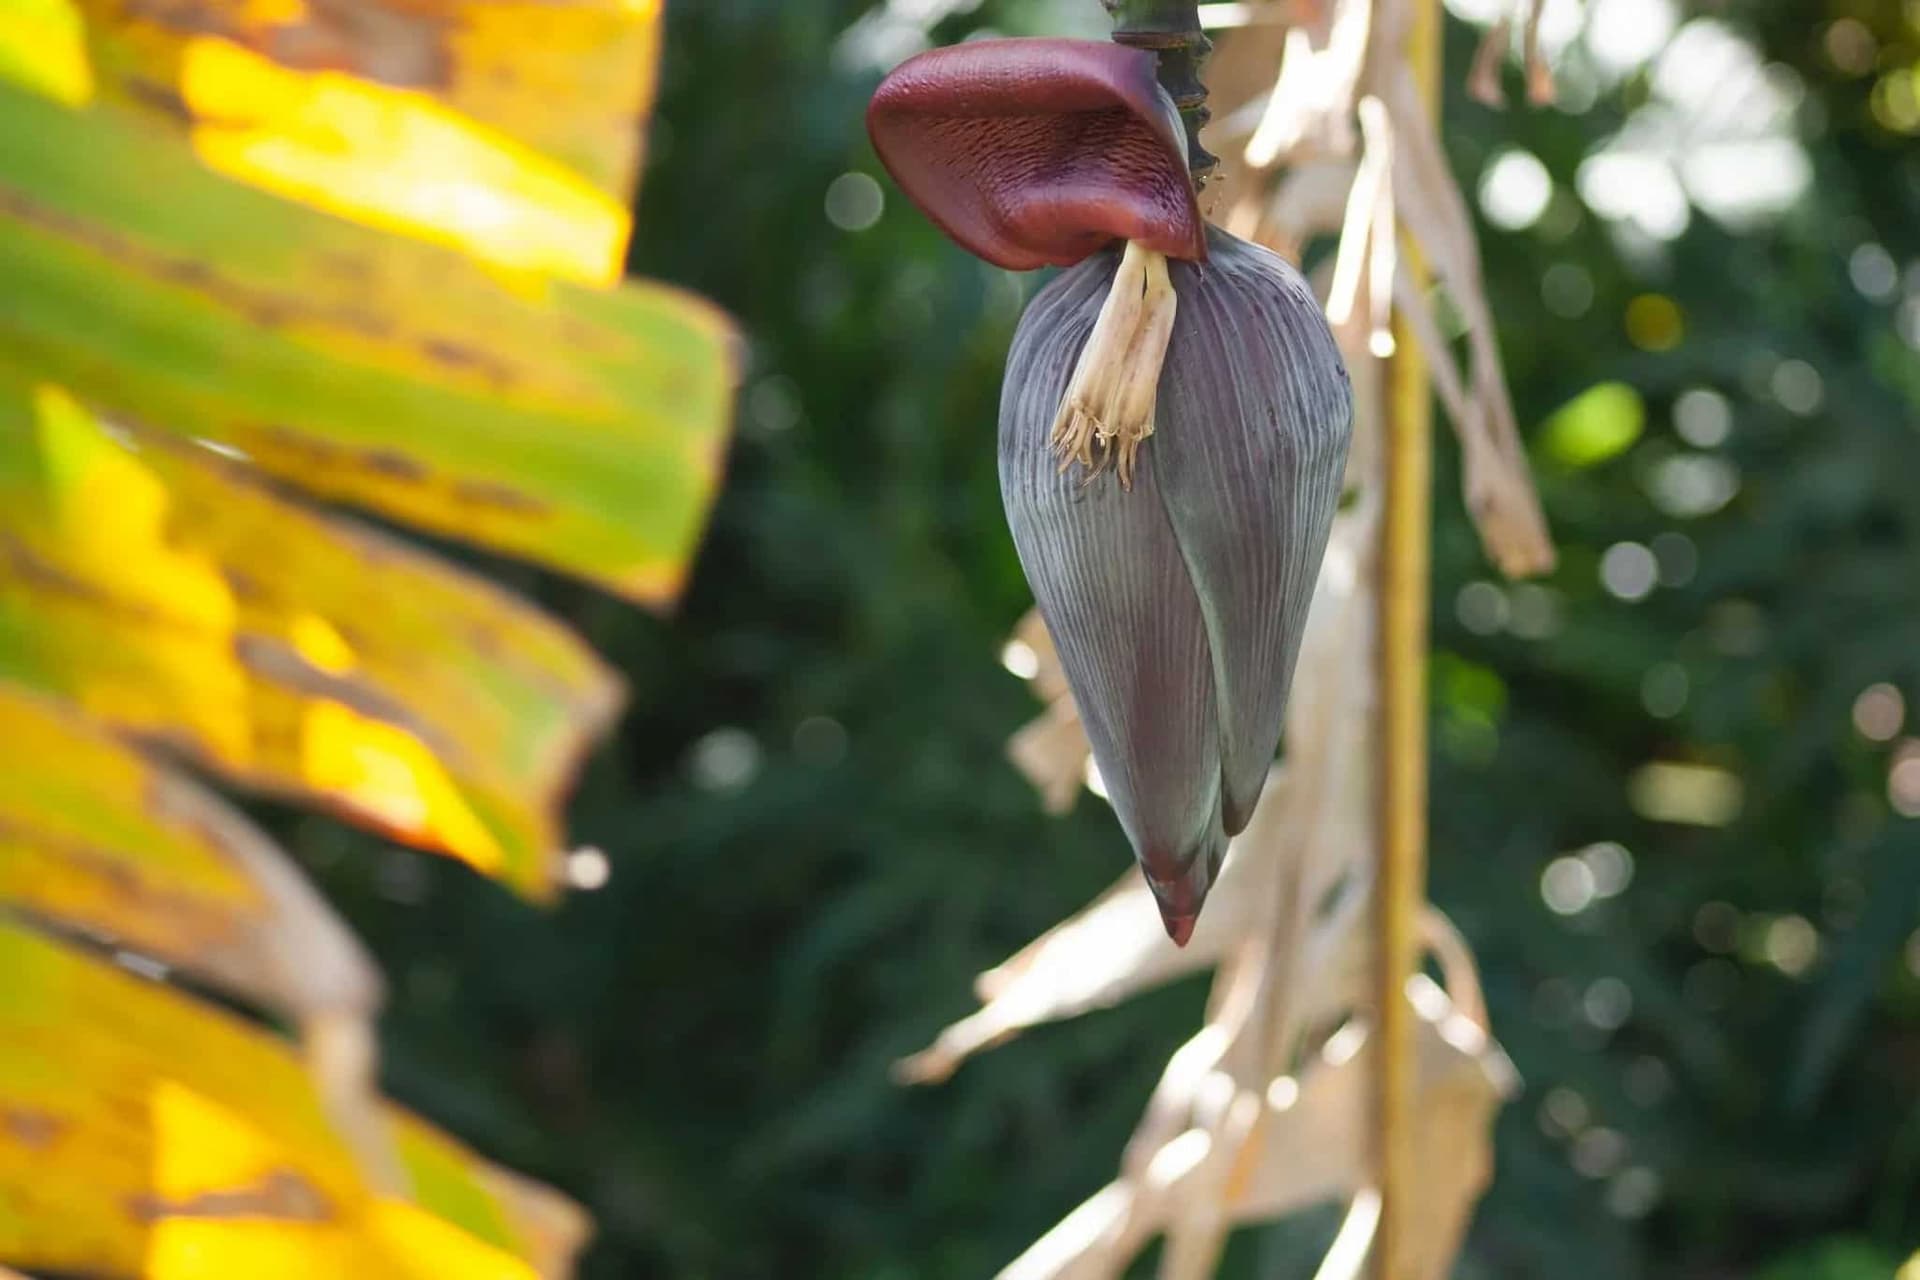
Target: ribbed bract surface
point(1178, 605)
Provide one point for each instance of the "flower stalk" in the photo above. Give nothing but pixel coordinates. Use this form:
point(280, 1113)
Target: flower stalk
point(1170, 29)
point(1108, 409)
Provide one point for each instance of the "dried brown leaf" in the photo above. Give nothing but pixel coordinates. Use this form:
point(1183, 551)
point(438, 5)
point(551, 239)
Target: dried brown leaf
point(1305, 1148)
point(1483, 77)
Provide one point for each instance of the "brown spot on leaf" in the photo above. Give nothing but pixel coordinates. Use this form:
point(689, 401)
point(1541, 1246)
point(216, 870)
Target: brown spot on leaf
point(260, 306)
point(283, 1196)
point(246, 588)
point(347, 266)
point(161, 99)
point(35, 1130)
point(403, 47)
point(153, 914)
point(289, 443)
point(455, 355)
point(279, 662)
point(394, 466)
point(501, 497)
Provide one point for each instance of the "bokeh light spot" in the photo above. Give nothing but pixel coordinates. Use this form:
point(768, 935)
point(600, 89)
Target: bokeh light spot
point(588, 869)
point(1608, 1004)
point(855, 201)
point(1654, 323)
point(1698, 795)
point(773, 404)
point(1633, 1193)
point(1598, 1152)
point(1624, 35)
point(1703, 417)
point(1515, 189)
point(1567, 290)
point(1690, 485)
point(1903, 780)
point(1873, 271)
point(1879, 712)
point(1563, 1112)
point(1798, 387)
point(1567, 886)
point(1629, 571)
point(725, 760)
point(1482, 608)
point(1611, 865)
point(1906, 322)
point(1850, 46)
point(1664, 689)
point(1533, 611)
point(1601, 422)
point(1019, 658)
point(1792, 945)
point(1896, 101)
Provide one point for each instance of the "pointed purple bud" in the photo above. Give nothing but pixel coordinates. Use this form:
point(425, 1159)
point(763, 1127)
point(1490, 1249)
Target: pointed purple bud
point(1178, 605)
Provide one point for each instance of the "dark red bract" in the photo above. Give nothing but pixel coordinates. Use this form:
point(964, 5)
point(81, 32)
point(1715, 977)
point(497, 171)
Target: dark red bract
point(1033, 153)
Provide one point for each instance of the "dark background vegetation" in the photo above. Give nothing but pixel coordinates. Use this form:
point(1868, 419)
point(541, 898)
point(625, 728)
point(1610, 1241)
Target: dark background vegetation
point(816, 842)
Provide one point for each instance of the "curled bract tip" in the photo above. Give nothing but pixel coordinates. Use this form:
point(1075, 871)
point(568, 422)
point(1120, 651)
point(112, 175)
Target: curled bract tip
point(1180, 927)
point(1180, 894)
point(1039, 152)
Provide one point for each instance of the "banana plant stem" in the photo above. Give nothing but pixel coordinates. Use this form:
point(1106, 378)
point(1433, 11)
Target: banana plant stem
point(1405, 596)
point(1171, 30)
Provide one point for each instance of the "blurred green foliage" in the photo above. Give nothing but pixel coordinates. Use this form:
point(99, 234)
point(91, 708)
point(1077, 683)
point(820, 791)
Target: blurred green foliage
point(816, 842)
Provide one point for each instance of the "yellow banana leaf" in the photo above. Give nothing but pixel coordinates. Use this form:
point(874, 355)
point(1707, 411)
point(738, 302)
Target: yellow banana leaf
point(546, 1229)
point(368, 250)
point(161, 589)
point(580, 428)
point(43, 45)
point(96, 835)
point(145, 1134)
point(570, 80)
point(511, 130)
